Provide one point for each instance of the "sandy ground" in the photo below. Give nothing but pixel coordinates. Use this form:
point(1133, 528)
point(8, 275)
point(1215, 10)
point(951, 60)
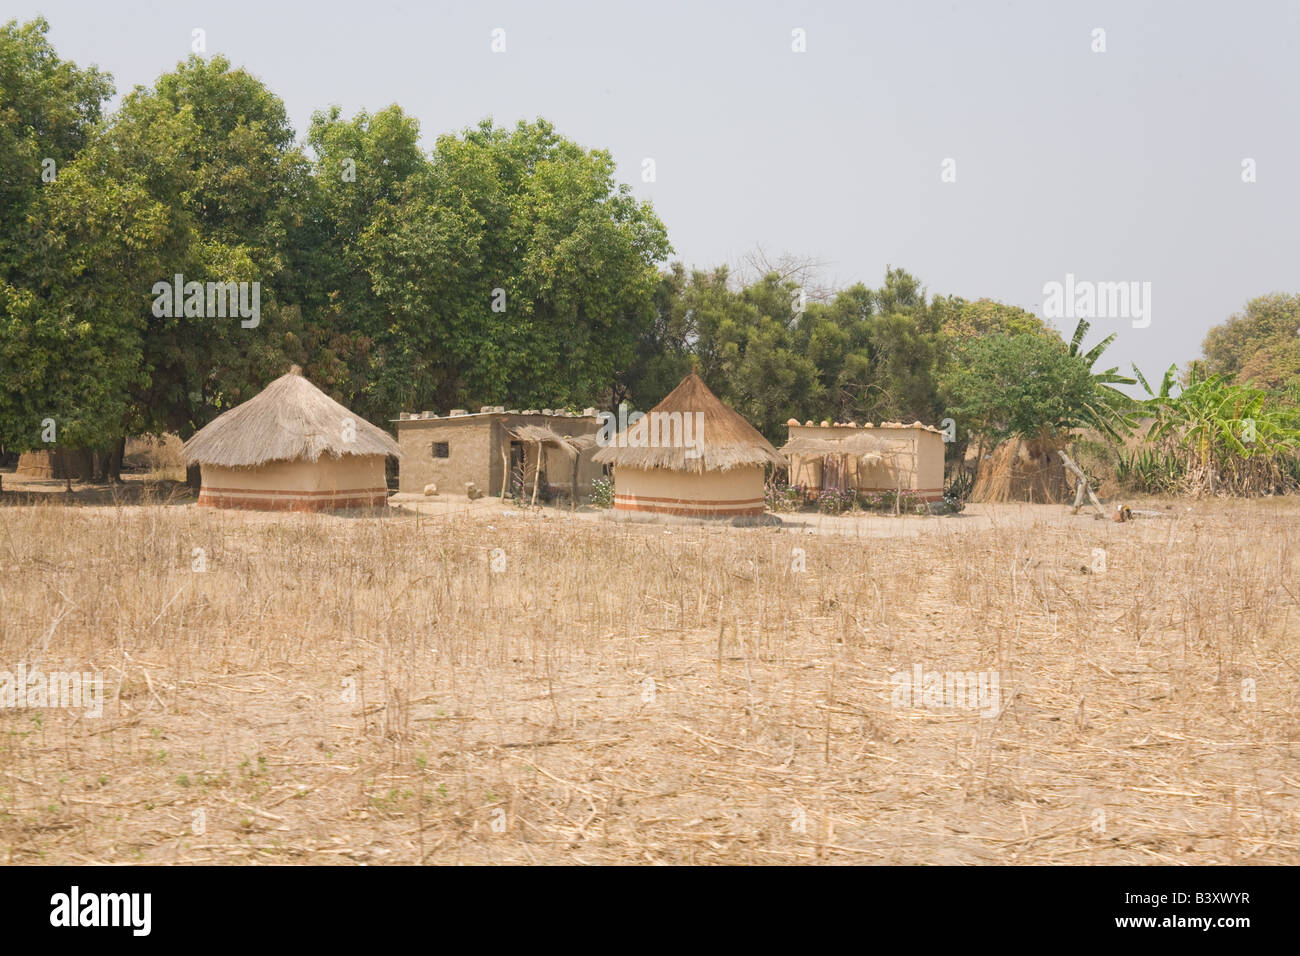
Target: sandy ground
point(369, 689)
point(975, 517)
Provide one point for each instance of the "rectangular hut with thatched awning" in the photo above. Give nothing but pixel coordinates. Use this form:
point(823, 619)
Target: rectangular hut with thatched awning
point(498, 451)
point(690, 455)
point(891, 458)
point(543, 439)
point(291, 448)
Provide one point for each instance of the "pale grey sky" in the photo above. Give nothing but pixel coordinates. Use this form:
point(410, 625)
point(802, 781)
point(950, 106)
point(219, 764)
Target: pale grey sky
point(1117, 166)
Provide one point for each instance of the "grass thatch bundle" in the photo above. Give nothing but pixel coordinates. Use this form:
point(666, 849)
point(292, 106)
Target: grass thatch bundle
point(720, 436)
point(1023, 470)
point(289, 420)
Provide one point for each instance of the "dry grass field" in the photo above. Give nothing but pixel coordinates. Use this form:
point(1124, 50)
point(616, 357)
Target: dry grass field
point(370, 690)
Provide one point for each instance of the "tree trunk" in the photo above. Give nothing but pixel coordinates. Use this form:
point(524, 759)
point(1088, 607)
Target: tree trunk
point(113, 467)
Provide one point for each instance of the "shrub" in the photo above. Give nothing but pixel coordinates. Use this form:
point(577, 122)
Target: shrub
point(784, 497)
point(602, 493)
point(959, 488)
point(832, 502)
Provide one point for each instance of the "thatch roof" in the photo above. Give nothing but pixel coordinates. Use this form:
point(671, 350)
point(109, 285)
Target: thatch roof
point(724, 440)
point(571, 445)
point(289, 420)
point(867, 448)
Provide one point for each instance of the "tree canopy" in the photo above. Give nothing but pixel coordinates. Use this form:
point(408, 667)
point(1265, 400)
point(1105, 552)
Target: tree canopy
point(503, 265)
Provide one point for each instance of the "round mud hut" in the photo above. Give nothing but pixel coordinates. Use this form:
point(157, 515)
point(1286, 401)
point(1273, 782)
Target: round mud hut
point(291, 448)
point(690, 455)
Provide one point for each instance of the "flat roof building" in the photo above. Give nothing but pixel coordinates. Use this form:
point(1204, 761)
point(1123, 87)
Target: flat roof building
point(495, 448)
point(889, 457)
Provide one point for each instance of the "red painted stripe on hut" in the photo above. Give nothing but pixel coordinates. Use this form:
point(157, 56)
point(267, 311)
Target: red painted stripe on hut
point(292, 500)
point(685, 506)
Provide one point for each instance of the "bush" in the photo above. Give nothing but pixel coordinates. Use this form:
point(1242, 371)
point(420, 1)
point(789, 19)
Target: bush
point(784, 497)
point(602, 493)
point(1149, 470)
point(832, 502)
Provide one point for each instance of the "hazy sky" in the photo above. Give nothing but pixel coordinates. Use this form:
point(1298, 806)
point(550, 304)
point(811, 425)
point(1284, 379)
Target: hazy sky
point(1124, 165)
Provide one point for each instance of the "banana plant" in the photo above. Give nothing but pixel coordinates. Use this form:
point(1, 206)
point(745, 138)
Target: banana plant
point(1237, 438)
point(1109, 410)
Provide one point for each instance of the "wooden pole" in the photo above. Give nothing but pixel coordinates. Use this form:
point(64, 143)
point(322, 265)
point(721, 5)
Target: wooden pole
point(537, 474)
point(1083, 479)
point(573, 489)
point(505, 467)
point(898, 490)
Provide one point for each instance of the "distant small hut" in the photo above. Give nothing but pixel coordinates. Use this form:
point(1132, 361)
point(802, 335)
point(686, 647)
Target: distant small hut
point(690, 455)
point(291, 448)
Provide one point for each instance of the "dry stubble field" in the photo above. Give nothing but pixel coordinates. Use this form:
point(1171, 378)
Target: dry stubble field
point(506, 717)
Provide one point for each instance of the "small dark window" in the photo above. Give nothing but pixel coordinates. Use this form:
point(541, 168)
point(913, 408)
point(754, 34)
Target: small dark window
point(441, 450)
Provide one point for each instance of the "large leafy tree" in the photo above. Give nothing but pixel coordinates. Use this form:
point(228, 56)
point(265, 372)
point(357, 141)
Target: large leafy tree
point(196, 176)
point(51, 362)
point(361, 165)
point(513, 269)
point(48, 106)
point(243, 187)
point(877, 352)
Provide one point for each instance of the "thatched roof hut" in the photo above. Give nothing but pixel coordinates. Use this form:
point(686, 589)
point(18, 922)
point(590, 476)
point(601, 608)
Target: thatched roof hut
point(690, 455)
point(723, 440)
point(291, 448)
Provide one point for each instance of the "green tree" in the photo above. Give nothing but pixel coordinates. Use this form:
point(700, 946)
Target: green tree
point(361, 169)
point(50, 360)
point(1028, 386)
point(515, 269)
point(48, 106)
point(196, 176)
point(1260, 344)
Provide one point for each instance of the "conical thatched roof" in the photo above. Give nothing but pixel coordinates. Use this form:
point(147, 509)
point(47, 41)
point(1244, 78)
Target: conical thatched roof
point(289, 420)
point(724, 441)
